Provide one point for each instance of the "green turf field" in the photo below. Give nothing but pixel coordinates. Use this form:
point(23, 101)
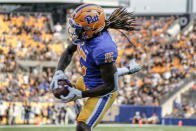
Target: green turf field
point(122, 127)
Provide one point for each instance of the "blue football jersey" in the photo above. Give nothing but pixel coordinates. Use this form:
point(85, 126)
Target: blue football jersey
point(99, 50)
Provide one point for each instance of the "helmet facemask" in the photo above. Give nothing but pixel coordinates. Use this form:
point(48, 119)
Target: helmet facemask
point(77, 32)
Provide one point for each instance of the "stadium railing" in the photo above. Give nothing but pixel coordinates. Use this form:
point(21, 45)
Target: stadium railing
point(171, 93)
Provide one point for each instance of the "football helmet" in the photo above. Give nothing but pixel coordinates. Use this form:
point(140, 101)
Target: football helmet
point(85, 21)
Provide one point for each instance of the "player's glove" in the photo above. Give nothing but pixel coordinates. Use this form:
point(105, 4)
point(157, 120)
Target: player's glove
point(134, 67)
point(59, 75)
point(73, 95)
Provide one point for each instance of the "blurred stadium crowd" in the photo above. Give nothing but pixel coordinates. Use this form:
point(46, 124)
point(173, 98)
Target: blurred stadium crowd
point(26, 36)
point(166, 63)
point(29, 37)
point(35, 113)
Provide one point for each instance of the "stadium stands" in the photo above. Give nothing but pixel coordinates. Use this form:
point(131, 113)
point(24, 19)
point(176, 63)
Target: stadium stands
point(186, 108)
point(166, 64)
point(29, 37)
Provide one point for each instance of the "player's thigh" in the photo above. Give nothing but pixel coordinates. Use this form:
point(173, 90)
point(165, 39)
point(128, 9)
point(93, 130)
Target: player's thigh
point(95, 108)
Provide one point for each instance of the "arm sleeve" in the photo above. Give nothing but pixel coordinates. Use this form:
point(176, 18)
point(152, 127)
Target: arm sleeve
point(105, 54)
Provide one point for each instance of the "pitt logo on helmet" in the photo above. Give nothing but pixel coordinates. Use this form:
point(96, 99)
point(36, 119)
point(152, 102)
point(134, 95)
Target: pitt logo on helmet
point(85, 22)
point(91, 19)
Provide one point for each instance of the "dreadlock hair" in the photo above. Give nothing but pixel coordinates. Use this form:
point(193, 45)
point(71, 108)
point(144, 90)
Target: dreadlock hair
point(121, 19)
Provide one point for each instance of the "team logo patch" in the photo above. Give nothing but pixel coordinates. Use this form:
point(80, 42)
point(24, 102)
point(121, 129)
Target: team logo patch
point(91, 19)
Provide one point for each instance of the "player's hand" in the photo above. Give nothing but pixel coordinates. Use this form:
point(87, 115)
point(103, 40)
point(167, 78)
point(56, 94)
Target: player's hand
point(73, 95)
point(59, 75)
point(134, 67)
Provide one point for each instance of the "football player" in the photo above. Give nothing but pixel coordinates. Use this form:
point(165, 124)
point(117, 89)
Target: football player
point(97, 54)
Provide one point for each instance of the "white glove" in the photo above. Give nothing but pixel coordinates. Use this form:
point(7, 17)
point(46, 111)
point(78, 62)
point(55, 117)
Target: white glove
point(130, 69)
point(134, 67)
point(59, 75)
point(73, 95)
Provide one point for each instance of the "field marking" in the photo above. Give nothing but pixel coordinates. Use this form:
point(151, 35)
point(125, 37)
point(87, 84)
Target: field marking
point(29, 126)
point(73, 125)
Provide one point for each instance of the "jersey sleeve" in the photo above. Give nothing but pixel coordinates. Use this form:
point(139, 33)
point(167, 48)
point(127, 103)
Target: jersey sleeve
point(105, 54)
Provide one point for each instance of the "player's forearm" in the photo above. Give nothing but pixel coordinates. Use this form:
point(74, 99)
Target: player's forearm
point(66, 57)
point(98, 91)
point(110, 86)
point(64, 60)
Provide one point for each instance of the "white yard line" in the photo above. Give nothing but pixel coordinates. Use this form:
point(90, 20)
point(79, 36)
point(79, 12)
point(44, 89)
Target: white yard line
point(73, 125)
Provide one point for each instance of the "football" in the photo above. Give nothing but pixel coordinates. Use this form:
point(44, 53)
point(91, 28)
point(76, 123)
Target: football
point(62, 91)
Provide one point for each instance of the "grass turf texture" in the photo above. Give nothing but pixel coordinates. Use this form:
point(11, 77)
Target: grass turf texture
point(121, 127)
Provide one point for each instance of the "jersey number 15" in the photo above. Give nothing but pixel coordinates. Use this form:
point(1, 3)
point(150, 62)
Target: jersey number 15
point(108, 57)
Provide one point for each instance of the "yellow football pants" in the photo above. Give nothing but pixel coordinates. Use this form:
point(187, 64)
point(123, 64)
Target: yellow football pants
point(95, 107)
